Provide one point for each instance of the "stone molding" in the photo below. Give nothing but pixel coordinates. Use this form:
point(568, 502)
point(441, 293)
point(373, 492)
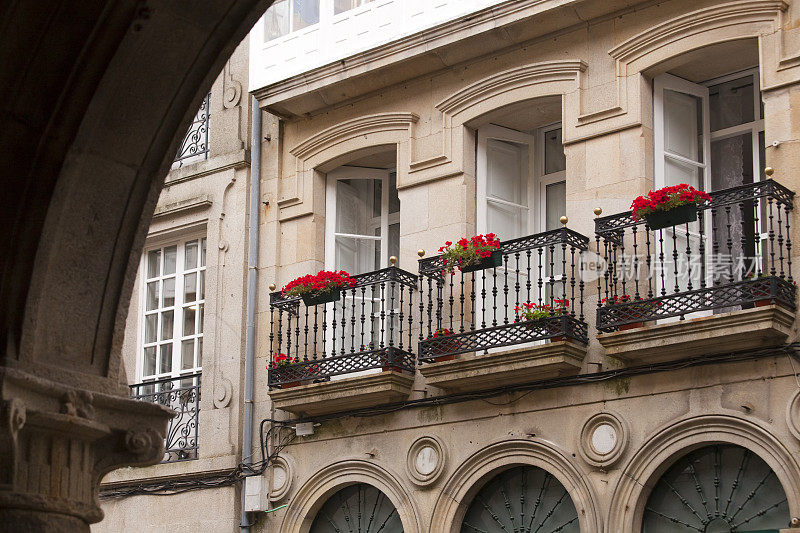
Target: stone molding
point(793, 415)
point(481, 466)
point(509, 367)
point(592, 456)
point(286, 463)
point(319, 487)
point(675, 440)
point(417, 477)
point(343, 394)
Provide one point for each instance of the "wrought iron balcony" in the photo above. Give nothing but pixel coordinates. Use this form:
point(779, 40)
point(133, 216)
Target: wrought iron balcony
point(194, 146)
point(182, 394)
point(479, 307)
point(737, 255)
point(369, 328)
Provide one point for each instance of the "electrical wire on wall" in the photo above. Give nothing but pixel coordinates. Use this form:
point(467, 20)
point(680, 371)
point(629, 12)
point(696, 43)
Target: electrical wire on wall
point(243, 470)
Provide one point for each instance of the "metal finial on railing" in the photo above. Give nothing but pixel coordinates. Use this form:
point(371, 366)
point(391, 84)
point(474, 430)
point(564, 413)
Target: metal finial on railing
point(421, 252)
point(393, 260)
point(272, 286)
point(598, 211)
point(563, 220)
point(769, 171)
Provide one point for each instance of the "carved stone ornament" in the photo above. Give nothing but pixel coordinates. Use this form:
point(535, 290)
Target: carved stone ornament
point(793, 415)
point(425, 460)
point(603, 439)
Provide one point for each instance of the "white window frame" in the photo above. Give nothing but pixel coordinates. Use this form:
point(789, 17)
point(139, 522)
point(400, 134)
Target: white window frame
point(178, 307)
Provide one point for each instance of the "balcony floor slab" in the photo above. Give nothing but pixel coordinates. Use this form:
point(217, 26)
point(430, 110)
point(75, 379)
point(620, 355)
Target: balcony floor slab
point(509, 367)
point(746, 329)
point(344, 394)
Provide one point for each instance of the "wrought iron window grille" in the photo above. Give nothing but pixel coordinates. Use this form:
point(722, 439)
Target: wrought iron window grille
point(182, 394)
point(737, 255)
point(194, 146)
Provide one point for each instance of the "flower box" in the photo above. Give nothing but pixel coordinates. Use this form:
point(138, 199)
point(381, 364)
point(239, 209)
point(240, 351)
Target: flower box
point(493, 261)
point(290, 385)
point(682, 214)
point(321, 297)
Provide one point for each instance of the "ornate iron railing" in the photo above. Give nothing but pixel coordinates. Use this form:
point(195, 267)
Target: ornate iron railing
point(182, 394)
point(194, 146)
point(479, 308)
point(370, 327)
point(736, 255)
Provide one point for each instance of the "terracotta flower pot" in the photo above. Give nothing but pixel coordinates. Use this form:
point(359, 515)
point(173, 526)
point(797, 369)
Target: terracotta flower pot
point(440, 358)
point(632, 325)
point(290, 384)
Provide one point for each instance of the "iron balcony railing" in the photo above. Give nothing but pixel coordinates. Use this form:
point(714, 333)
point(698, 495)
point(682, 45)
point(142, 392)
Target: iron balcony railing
point(369, 328)
point(194, 146)
point(182, 394)
point(736, 255)
point(479, 308)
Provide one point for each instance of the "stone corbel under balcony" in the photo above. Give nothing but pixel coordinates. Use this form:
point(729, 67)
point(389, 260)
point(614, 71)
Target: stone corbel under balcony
point(339, 395)
point(747, 329)
point(508, 367)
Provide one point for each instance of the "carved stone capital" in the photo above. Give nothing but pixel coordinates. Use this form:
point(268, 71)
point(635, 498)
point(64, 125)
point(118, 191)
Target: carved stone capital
point(70, 439)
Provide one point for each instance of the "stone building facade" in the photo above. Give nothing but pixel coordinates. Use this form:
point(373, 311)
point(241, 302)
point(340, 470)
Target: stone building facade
point(663, 398)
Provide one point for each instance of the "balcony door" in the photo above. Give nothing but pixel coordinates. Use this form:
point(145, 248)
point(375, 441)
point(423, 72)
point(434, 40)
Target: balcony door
point(362, 232)
point(521, 190)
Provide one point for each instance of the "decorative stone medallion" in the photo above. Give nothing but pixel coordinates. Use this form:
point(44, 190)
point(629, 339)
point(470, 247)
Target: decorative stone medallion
point(793, 415)
point(603, 439)
point(282, 474)
point(425, 460)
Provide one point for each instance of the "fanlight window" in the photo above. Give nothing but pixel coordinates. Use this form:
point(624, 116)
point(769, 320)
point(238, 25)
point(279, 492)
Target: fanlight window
point(717, 489)
point(359, 508)
point(524, 498)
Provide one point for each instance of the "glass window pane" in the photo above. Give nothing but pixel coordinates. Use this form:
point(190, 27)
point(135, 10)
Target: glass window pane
point(167, 324)
point(556, 204)
point(304, 13)
point(190, 287)
point(154, 264)
point(188, 320)
point(394, 240)
point(340, 6)
point(554, 158)
point(200, 317)
point(394, 199)
point(170, 256)
point(169, 293)
point(507, 177)
point(732, 161)
point(683, 125)
point(187, 354)
point(377, 193)
point(276, 20)
point(152, 296)
point(203, 251)
point(190, 255)
point(149, 361)
point(165, 364)
point(353, 199)
point(199, 351)
point(507, 222)
point(150, 327)
point(731, 103)
point(202, 284)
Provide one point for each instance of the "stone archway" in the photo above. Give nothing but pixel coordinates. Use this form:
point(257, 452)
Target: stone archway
point(94, 94)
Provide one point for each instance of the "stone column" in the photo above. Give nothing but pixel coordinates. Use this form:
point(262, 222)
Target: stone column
point(57, 442)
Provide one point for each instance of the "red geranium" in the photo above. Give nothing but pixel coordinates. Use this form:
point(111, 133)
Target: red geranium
point(667, 198)
point(281, 359)
point(532, 312)
point(468, 251)
point(321, 281)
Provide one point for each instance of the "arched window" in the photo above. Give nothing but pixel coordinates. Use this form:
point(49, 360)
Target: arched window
point(358, 508)
point(524, 498)
point(720, 488)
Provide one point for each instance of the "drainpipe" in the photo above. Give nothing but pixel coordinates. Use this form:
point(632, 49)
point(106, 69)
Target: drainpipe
point(252, 277)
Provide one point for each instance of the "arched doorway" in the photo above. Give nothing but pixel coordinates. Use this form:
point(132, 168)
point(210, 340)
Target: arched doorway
point(524, 498)
point(717, 489)
point(359, 508)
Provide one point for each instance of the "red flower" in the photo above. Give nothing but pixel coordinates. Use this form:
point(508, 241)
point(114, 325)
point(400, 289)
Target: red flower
point(323, 280)
point(666, 198)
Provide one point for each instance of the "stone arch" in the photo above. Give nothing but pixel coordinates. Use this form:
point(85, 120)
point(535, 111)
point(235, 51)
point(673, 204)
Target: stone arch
point(548, 78)
point(469, 477)
point(659, 452)
point(314, 493)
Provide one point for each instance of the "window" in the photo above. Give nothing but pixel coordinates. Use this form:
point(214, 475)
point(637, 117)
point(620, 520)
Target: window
point(340, 6)
point(286, 16)
point(173, 296)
